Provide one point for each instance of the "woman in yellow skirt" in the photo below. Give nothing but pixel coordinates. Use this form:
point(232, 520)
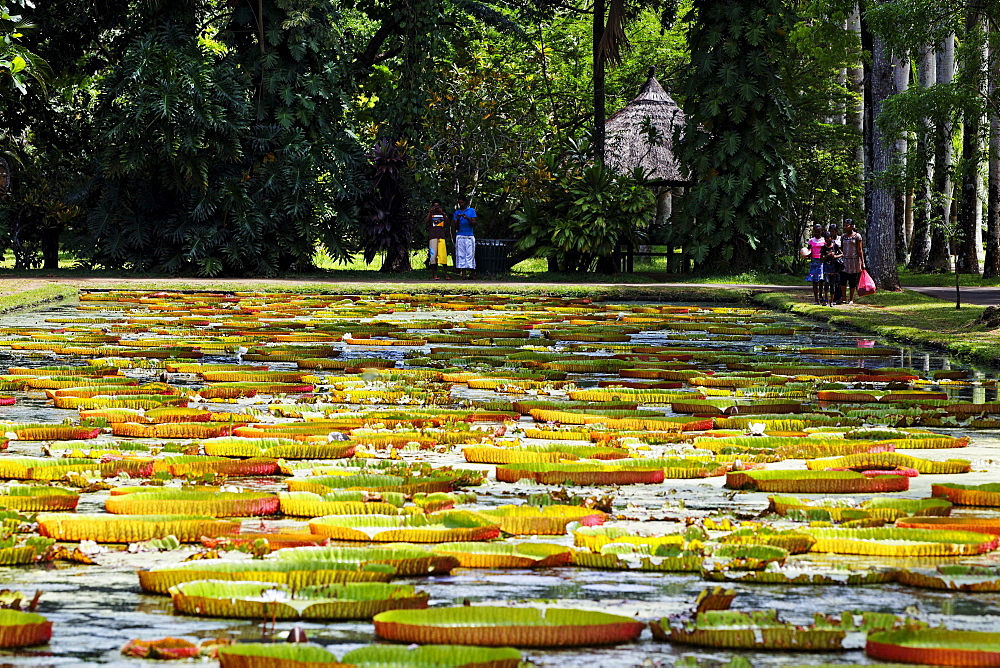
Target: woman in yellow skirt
point(437, 251)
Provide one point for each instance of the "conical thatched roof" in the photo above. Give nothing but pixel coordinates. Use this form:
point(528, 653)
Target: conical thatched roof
point(627, 143)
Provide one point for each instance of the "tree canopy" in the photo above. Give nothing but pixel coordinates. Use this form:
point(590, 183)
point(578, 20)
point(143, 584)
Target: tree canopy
point(238, 137)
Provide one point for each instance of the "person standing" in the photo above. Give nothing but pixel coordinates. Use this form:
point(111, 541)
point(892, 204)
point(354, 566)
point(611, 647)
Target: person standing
point(437, 253)
point(834, 230)
point(832, 263)
point(854, 257)
point(465, 237)
point(815, 253)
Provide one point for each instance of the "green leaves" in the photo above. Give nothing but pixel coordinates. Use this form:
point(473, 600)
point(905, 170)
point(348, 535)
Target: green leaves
point(588, 210)
point(736, 136)
point(221, 156)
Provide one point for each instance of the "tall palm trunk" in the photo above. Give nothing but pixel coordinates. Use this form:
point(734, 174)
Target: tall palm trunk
point(901, 79)
point(855, 116)
point(880, 242)
point(920, 244)
point(991, 266)
point(939, 257)
point(599, 58)
point(967, 261)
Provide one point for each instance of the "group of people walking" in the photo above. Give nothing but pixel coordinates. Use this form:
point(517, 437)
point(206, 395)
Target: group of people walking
point(835, 263)
point(462, 227)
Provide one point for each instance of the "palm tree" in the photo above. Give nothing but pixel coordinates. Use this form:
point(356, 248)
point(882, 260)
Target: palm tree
point(610, 20)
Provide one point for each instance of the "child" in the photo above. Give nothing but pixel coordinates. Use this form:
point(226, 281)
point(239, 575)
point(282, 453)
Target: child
point(815, 275)
point(832, 263)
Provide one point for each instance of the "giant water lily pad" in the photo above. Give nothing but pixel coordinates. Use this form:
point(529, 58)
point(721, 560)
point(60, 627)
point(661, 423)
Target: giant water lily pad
point(841, 509)
point(23, 629)
point(801, 572)
point(278, 655)
point(764, 630)
point(186, 502)
point(744, 557)
point(641, 557)
point(438, 656)
point(547, 520)
point(506, 555)
point(504, 626)
point(792, 541)
point(958, 577)
point(302, 655)
point(759, 630)
point(965, 523)
point(433, 528)
point(969, 495)
point(895, 542)
point(296, 574)
point(308, 504)
point(376, 482)
point(595, 538)
point(38, 499)
point(260, 600)
point(815, 482)
point(940, 647)
point(890, 461)
point(132, 528)
point(580, 474)
point(408, 560)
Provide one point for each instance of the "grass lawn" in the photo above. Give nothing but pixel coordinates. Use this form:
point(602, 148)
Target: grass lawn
point(534, 270)
point(904, 316)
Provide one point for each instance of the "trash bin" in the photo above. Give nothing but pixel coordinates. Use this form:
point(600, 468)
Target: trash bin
point(491, 256)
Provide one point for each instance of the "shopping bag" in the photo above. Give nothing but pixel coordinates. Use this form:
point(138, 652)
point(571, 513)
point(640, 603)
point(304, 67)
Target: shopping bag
point(866, 286)
point(442, 253)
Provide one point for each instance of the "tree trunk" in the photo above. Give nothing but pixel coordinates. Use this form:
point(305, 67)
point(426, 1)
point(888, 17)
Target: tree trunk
point(967, 260)
point(901, 80)
point(397, 260)
point(599, 114)
point(856, 113)
point(920, 243)
point(991, 266)
point(664, 206)
point(50, 250)
point(939, 258)
point(880, 242)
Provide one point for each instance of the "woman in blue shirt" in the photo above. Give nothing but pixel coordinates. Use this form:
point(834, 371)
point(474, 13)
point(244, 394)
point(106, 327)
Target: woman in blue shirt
point(465, 237)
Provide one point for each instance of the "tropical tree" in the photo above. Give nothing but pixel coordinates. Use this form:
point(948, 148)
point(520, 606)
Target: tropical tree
point(736, 136)
point(385, 215)
point(228, 154)
point(611, 18)
point(585, 212)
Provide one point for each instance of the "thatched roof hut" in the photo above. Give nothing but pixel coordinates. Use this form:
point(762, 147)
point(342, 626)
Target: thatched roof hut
point(628, 132)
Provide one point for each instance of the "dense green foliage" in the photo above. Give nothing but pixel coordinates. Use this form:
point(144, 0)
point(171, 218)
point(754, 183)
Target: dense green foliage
point(585, 212)
point(736, 140)
point(224, 155)
point(18, 64)
point(239, 137)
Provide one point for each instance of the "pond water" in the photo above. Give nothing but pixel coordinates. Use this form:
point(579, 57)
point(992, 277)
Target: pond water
point(96, 609)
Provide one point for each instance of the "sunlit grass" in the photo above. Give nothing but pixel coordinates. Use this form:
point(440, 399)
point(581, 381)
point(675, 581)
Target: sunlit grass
point(905, 316)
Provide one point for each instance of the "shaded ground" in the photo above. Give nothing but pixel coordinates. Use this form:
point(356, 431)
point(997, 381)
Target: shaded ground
point(975, 296)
